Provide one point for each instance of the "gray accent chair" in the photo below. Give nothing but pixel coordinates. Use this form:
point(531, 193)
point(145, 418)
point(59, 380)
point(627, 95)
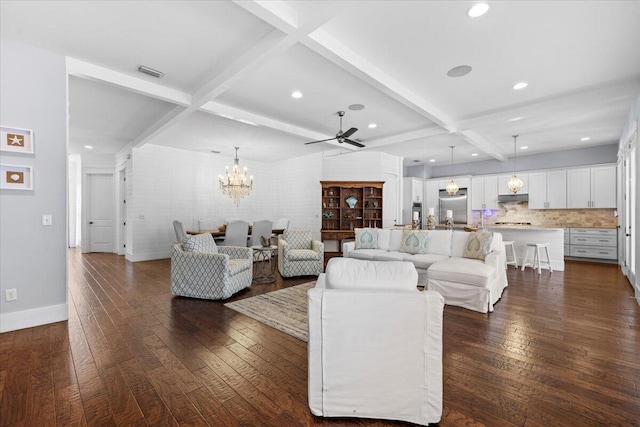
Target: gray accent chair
point(201, 269)
point(299, 254)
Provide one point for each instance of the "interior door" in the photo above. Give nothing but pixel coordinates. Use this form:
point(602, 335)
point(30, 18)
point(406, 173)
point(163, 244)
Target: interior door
point(101, 213)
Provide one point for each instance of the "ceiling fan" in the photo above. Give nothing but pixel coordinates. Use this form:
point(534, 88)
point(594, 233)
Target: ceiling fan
point(341, 136)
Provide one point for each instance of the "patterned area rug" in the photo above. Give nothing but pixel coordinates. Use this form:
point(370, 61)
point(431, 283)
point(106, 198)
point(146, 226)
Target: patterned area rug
point(284, 309)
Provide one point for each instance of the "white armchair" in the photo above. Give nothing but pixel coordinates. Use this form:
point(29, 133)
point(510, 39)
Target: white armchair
point(299, 254)
point(375, 343)
point(200, 269)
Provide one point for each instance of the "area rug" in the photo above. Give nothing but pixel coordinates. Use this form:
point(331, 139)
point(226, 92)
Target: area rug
point(284, 309)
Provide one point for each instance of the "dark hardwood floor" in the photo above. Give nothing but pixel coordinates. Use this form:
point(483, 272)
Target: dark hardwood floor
point(562, 349)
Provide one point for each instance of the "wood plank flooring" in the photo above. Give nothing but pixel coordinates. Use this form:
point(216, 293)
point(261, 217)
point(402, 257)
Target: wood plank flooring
point(562, 349)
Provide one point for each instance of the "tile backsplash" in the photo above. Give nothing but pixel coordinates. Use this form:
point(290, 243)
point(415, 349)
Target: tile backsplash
point(520, 212)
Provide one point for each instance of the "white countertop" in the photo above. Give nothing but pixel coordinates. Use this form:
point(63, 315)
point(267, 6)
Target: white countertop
point(524, 227)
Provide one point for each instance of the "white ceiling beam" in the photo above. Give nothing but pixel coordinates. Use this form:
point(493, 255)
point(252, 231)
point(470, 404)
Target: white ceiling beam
point(240, 115)
point(85, 70)
point(481, 143)
point(406, 136)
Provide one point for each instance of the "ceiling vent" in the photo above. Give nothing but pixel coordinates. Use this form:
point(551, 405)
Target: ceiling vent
point(150, 71)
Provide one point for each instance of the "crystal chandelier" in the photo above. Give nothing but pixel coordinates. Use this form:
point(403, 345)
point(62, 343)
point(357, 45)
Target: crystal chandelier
point(515, 183)
point(234, 184)
point(452, 187)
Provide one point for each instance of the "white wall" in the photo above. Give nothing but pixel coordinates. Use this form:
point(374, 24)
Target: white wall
point(33, 257)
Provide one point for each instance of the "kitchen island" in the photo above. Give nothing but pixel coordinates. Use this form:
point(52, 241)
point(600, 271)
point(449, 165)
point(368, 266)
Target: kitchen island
point(523, 234)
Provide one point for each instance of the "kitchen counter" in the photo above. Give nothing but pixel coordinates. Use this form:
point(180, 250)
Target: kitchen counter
point(523, 234)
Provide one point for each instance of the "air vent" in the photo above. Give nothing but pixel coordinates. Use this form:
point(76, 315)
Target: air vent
point(150, 71)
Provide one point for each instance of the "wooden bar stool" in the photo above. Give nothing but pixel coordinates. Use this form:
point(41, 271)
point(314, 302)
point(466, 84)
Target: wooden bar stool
point(537, 261)
point(514, 261)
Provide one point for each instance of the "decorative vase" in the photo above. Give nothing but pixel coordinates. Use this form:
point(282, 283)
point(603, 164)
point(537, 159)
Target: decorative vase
point(265, 241)
point(448, 223)
point(431, 222)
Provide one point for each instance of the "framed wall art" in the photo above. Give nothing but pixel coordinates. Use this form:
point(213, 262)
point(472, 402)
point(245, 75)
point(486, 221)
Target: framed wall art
point(16, 177)
point(16, 140)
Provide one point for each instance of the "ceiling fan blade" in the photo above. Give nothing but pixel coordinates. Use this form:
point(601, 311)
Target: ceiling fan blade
point(357, 144)
point(350, 132)
point(322, 140)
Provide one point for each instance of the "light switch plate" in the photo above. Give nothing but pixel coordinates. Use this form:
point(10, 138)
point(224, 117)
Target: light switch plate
point(47, 219)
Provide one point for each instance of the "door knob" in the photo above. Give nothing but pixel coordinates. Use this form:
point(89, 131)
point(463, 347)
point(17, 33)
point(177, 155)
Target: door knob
point(90, 222)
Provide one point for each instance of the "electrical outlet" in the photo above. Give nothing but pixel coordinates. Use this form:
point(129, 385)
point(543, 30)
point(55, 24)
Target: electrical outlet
point(11, 294)
point(47, 219)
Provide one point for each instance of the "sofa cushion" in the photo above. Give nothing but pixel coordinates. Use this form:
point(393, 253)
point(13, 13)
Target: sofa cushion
point(366, 238)
point(202, 243)
point(384, 237)
point(458, 243)
point(439, 242)
point(424, 261)
point(391, 256)
point(395, 240)
point(237, 265)
point(366, 253)
point(347, 273)
point(462, 270)
point(414, 242)
point(478, 245)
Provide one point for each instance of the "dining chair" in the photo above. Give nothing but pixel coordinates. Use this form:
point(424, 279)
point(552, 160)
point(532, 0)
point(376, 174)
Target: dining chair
point(281, 223)
point(259, 229)
point(208, 224)
point(236, 234)
point(178, 227)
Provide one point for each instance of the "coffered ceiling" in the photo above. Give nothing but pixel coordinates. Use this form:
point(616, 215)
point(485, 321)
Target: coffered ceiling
point(230, 68)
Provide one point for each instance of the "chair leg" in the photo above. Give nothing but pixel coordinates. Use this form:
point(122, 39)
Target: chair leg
point(536, 257)
point(546, 249)
point(526, 255)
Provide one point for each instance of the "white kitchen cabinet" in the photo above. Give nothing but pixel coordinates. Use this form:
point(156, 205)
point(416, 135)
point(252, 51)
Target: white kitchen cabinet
point(593, 187)
point(413, 189)
point(484, 192)
point(548, 190)
point(503, 187)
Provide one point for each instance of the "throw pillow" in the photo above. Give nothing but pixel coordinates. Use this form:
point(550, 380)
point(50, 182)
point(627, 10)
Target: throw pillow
point(478, 245)
point(202, 243)
point(366, 238)
point(414, 242)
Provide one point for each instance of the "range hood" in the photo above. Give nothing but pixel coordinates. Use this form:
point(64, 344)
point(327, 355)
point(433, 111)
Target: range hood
point(513, 198)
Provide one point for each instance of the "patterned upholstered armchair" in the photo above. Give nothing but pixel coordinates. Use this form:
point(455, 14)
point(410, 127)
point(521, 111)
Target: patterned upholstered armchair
point(299, 254)
point(201, 269)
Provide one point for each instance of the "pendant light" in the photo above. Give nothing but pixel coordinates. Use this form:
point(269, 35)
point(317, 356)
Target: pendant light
point(515, 183)
point(452, 187)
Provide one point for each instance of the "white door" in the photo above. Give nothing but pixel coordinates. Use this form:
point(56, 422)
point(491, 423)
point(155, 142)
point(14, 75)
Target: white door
point(631, 189)
point(101, 213)
point(390, 200)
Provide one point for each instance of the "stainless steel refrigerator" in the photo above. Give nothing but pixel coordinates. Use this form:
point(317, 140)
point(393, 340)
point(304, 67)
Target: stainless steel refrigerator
point(456, 203)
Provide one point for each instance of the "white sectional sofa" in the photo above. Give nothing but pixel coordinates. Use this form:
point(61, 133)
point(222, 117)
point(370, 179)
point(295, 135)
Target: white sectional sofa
point(375, 343)
point(440, 260)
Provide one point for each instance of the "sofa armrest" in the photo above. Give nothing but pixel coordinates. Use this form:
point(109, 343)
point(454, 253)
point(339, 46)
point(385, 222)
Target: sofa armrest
point(236, 252)
point(317, 246)
point(348, 247)
point(493, 259)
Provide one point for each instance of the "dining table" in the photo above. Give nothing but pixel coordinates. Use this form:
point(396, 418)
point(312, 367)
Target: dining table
point(220, 233)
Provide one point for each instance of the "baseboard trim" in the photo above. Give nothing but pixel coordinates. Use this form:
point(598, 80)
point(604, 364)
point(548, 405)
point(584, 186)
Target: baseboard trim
point(148, 256)
point(33, 317)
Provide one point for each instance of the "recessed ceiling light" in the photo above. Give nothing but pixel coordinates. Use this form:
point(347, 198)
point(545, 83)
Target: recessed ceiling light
point(586, 138)
point(372, 125)
point(478, 10)
point(524, 147)
point(296, 94)
point(215, 152)
point(150, 71)
point(432, 160)
point(459, 71)
point(520, 85)
point(356, 107)
point(88, 147)
point(416, 161)
point(515, 119)
point(474, 154)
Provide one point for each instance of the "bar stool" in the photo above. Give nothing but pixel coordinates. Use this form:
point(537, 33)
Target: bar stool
point(537, 261)
point(514, 261)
